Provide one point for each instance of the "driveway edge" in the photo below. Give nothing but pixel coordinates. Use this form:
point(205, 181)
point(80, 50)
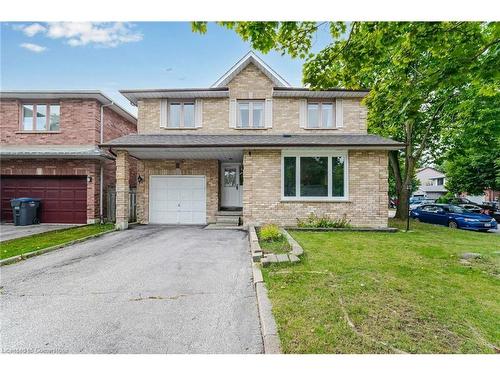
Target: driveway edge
point(268, 326)
point(32, 254)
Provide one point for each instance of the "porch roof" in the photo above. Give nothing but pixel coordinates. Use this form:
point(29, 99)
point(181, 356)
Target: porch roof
point(247, 141)
point(53, 152)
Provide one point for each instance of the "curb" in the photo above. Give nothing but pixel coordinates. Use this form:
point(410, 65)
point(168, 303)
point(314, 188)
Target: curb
point(254, 244)
point(268, 326)
point(32, 254)
point(354, 229)
point(291, 257)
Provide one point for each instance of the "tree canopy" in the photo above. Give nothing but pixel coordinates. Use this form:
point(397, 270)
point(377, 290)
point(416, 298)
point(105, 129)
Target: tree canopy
point(418, 74)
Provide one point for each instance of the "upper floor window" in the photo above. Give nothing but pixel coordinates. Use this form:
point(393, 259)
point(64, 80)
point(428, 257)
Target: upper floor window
point(320, 115)
point(181, 115)
point(41, 117)
point(251, 114)
point(439, 181)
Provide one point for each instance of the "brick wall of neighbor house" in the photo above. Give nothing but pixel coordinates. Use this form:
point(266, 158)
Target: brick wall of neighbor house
point(208, 168)
point(368, 186)
point(251, 83)
point(78, 126)
point(57, 167)
point(116, 126)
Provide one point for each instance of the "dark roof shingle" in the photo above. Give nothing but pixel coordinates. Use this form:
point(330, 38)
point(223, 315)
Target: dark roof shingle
point(251, 140)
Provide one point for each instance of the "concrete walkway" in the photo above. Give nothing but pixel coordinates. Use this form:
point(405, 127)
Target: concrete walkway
point(150, 289)
point(9, 231)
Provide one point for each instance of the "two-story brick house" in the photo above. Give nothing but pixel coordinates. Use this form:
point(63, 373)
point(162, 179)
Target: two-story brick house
point(49, 150)
point(252, 143)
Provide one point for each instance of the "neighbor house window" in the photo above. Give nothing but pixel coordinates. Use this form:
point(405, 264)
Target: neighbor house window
point(312, 175)
point(250, 114)
point(181, 115)
point(41, 117)
point(320, 115)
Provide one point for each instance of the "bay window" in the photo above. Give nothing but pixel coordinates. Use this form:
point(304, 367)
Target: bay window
point(320, 115)
point(250, 114)
point(311, 175)
point(40, 117)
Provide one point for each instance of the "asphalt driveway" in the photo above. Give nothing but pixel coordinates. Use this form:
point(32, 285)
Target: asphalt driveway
point(150, 289)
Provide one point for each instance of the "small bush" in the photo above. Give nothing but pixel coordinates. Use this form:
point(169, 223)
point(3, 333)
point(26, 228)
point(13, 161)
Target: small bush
point(270, 232)
point(314, 221)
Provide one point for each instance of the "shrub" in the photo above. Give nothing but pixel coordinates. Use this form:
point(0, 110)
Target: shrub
point(270, 232)
point(314, 221)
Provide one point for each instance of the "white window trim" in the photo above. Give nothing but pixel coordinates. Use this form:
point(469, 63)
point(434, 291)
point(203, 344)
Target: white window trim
point(320, 114)
point(181, 125)
point(315, 153)
point(34, 118)
point(250, 114)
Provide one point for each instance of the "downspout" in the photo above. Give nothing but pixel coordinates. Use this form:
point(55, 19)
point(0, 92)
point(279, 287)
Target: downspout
point(101, 172)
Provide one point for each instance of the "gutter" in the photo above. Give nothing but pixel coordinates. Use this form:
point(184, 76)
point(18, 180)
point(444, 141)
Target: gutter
point(101, 167)
point(248, 146)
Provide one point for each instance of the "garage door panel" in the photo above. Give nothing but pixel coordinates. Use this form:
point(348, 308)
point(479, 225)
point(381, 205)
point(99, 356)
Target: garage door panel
point(199, 217)
point(171, 205)
point(64, 199)
point(183, 197)
point(198, 195)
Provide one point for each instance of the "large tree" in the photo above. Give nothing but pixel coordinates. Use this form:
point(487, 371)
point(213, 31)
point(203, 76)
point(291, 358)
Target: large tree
point(414, 70)
point(471, 142)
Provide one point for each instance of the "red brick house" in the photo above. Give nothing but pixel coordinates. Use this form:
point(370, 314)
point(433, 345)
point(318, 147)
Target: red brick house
point(54, 155)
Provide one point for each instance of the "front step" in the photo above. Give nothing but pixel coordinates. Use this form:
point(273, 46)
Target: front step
point(229, 213)
point(228, 218)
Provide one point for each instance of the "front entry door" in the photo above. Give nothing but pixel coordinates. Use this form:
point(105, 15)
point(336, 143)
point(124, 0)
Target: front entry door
point(231, 185)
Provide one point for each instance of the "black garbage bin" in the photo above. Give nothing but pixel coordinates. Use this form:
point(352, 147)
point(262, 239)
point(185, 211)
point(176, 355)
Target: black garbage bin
point(25, 211)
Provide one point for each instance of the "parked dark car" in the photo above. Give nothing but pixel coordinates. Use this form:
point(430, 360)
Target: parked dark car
point(483, 209)
point(453, 217)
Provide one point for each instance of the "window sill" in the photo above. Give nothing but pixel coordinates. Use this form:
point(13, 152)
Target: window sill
point(314, 200)
point(38, 132)
point(306, 128)
point(171, 128)
point(249, 128)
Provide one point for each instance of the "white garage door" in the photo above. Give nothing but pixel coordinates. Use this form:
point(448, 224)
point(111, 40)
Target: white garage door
point(177, 200)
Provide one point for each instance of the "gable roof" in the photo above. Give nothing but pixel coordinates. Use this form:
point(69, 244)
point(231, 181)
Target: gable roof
point(251, 57)
point(437, 173)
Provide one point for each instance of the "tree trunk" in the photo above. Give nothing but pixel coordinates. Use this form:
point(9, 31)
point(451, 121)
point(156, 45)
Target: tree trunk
point(402, 193)
point(402, 207)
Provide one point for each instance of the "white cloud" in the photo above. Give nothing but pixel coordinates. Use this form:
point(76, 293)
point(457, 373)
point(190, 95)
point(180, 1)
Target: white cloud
point(33, 47)
point(33, 29)
point(110, 34)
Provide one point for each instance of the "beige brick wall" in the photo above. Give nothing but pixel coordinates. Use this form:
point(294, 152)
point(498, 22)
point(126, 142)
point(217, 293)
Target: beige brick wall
point(207, 168)
point(367, 204)
point(250, 83)
point(122, 189)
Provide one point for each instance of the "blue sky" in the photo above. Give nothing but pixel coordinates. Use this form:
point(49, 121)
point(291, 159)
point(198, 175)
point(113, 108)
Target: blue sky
point(115, 56)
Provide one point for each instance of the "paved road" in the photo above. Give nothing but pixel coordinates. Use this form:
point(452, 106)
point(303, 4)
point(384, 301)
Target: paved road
point(9, 231)
point(150, 289)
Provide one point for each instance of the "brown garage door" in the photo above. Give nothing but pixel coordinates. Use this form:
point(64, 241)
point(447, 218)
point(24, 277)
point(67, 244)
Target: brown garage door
point(64, 199)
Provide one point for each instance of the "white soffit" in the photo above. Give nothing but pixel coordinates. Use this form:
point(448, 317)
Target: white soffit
point(251, 57)
point(223, 154)
point(300, 93)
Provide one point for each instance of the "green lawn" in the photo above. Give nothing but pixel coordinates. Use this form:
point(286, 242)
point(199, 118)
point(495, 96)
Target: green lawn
point(280, 246)
point(40, 241)
point(361, 292)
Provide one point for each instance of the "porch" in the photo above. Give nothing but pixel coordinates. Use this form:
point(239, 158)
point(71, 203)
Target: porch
point(179, 186)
